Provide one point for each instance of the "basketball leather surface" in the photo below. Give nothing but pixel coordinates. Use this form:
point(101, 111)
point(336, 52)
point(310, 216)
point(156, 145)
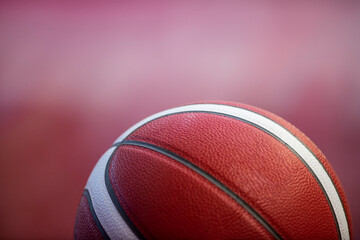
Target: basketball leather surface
point(199, 174)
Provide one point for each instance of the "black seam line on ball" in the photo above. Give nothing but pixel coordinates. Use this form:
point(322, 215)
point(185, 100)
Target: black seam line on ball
point(309, 169)
point(277, 138)
point(307, 166)
point(93, 214)
point(117, 204)
point(298, 156)
point(208, 177)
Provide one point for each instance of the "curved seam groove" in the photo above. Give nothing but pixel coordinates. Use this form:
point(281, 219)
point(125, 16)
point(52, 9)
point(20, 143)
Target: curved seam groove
point(117, 204)
point(93, 214)
point(344, 231)
point(208, 177)
point(342, 204)
point(307, 166)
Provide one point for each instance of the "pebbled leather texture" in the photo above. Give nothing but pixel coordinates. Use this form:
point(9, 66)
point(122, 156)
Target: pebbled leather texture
point(85, 227)
point(167, 200)
point(164, 199)
point(260, 169)
point(299, 134)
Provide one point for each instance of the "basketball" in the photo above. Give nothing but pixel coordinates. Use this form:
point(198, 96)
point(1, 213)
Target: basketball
point(213, 170)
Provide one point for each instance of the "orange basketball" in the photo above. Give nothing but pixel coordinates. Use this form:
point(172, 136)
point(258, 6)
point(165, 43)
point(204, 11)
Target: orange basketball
point(213, 171)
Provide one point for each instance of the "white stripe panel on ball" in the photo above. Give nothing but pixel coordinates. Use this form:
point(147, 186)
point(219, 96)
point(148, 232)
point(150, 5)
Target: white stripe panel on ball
point(108, 215)
point(275, 129)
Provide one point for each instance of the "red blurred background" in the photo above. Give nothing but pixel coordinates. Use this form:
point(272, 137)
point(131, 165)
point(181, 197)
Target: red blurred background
point(75, 75)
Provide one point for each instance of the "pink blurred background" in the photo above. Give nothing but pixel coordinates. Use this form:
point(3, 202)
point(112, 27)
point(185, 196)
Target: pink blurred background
point(75, 75)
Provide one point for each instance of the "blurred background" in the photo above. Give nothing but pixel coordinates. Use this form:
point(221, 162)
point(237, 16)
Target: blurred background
point(74, 75)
